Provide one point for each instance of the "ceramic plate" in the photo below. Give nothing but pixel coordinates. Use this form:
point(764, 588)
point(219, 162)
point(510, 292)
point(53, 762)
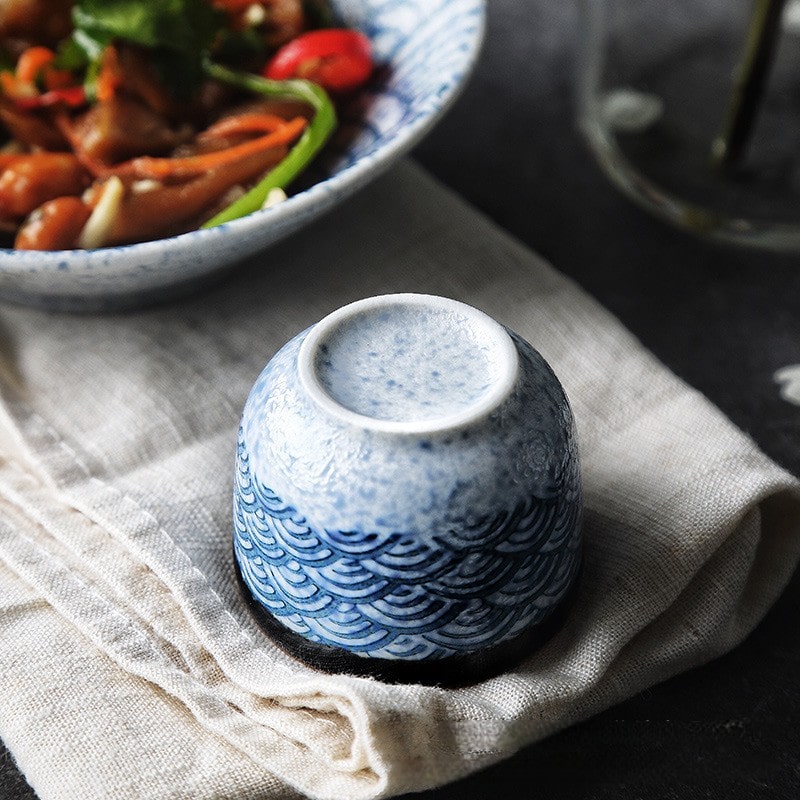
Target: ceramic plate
point(426, 49)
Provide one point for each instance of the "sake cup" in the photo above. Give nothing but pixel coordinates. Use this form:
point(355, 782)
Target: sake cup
point(407, 497)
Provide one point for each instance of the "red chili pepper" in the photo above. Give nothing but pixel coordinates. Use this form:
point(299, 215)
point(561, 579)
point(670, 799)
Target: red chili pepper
point(73, 96)
point(338, 59)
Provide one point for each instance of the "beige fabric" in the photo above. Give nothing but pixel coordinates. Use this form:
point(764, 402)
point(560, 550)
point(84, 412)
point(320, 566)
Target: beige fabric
point(130, 667)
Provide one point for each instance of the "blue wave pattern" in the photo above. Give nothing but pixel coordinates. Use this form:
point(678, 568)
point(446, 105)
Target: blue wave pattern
point(392, 596)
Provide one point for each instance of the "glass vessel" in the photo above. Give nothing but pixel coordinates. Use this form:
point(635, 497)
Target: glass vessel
point(692, 108)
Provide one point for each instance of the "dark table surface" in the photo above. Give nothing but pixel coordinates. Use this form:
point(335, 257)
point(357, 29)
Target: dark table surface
point(722, 319)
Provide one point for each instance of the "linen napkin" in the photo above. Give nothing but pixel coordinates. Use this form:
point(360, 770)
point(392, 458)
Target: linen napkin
point(130, 665)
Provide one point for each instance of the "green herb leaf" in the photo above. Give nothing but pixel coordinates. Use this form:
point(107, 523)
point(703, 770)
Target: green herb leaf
point(73, 56)
point(184, 26)
point(179, 33)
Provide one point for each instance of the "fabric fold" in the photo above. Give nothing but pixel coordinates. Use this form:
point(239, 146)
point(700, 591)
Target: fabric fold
point(117, 439)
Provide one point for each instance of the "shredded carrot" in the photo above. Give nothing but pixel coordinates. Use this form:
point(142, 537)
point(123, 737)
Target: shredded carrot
point(11, 86)
point(110, 77)
point(148, 167)
point(32, 61)
point(243, 123)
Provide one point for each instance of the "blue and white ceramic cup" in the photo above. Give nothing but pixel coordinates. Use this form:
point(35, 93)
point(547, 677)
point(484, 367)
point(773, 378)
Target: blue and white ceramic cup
point(407, 491)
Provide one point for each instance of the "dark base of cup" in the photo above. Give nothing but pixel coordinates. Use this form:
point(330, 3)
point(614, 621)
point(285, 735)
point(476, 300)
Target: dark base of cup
point(451, 671)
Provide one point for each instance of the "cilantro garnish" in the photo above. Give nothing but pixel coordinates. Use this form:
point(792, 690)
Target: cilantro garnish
point(179, 34)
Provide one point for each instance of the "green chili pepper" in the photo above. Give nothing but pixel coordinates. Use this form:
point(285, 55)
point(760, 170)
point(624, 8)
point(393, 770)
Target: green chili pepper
point(308, 145)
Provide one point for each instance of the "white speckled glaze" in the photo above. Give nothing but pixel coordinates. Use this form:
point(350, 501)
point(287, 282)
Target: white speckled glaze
point(407, 482)
point(401, 365)
point(428, 48)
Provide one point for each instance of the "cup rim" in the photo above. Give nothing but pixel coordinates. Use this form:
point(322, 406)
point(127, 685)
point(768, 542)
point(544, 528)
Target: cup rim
point(504, 353)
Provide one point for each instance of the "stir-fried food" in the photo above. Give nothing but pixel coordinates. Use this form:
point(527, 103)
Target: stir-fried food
point(128, 120)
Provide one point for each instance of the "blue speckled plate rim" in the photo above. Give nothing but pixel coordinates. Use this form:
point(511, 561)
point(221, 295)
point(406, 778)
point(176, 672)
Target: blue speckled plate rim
point(340, 185)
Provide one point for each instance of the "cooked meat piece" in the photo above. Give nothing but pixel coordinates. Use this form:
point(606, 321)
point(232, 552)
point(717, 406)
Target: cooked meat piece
point(34, 178)
point(164, 210)
point(36, 21)
point(33, 129)
point(138, 78)
point(284, 20)
point(122, 128)
point(56, 225)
